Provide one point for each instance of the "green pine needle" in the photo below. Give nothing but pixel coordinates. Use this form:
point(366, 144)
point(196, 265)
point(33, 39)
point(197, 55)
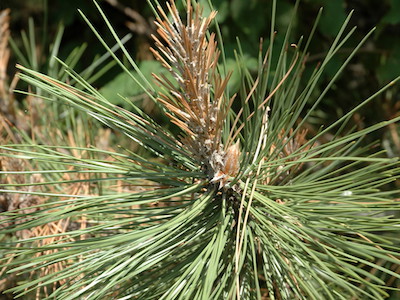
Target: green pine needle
point(270, 212)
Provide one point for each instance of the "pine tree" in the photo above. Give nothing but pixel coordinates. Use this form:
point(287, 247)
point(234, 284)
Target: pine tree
point(235, 200)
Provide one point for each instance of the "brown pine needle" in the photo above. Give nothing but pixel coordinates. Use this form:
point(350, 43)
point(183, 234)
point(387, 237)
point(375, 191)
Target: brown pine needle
point(196, 102)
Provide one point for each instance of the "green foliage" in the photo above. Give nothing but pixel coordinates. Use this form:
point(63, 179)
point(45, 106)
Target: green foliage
point(122, 83)
point(305, 216)
point(391, 16)
point(332, 20)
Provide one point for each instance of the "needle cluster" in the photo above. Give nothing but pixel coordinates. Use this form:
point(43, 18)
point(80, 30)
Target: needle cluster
point(196, 102)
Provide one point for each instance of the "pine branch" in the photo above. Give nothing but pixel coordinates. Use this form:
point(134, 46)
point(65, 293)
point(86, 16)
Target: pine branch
point(197, 104)
point(243, 203)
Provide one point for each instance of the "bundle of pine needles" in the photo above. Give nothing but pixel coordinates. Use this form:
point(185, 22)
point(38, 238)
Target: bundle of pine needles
point(234, 202)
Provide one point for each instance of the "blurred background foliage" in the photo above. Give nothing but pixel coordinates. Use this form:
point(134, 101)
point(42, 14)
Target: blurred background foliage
point(377, 62)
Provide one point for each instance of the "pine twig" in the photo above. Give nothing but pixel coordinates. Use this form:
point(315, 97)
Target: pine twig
point(196, 103)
